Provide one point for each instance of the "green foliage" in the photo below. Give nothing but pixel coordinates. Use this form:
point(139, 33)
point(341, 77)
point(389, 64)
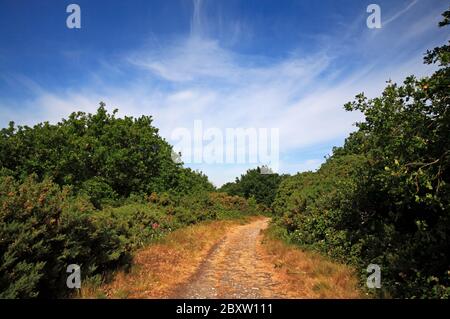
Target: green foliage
point(256, 183)
point(384, 197)
point(42, 231)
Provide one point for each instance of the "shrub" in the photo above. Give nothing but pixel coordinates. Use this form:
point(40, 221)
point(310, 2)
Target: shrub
point(43, 231)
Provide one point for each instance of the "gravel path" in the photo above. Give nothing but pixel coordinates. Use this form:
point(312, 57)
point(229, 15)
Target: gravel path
point(235, 268)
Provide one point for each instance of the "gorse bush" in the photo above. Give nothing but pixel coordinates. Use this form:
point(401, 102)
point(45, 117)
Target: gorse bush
point(383, 197)
point(42, 231)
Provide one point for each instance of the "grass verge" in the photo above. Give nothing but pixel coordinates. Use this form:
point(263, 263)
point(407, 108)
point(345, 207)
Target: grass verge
point(307, 274)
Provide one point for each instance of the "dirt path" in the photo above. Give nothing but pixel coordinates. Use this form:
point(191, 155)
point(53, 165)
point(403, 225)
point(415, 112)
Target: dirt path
point(235, 268)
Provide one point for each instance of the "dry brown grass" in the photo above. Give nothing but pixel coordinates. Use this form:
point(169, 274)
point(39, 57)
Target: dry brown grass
point(159, 268)
point(306, 274)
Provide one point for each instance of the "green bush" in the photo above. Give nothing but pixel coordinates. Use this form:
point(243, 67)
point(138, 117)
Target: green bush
point(43, 230)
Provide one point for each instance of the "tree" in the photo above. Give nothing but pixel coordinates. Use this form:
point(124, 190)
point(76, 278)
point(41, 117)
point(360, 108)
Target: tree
point(258, 183)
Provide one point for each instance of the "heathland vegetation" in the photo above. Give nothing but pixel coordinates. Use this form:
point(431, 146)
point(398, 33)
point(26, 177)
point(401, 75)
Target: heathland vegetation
point(89, 191)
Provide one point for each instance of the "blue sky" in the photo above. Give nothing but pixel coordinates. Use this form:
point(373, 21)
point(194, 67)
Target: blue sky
point(256, 63)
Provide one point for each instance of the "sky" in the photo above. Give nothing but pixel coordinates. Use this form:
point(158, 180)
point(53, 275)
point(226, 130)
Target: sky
point(289, 65)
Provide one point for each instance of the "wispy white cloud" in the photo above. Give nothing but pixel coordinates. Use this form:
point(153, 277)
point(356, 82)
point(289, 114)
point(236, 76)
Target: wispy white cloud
point(400, 13)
